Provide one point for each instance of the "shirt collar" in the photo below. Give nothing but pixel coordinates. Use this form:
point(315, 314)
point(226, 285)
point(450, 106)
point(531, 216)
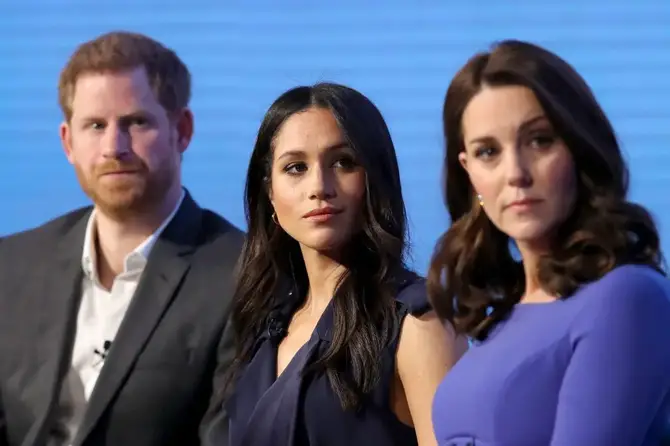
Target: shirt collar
point(136, 259)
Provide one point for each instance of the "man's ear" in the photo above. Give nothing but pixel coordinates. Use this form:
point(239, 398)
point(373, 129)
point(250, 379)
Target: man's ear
point(66, 140)
point(185, 129)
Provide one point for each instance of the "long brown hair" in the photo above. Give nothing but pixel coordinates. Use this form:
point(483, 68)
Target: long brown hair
point(474, 281)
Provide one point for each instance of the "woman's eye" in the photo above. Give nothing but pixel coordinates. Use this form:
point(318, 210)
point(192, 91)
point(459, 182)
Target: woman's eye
point(295, 168)
point(542, 141)
point(347, 163)
point(485, 152)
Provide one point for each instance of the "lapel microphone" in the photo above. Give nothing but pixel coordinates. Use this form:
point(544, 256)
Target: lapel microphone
point(102, 354)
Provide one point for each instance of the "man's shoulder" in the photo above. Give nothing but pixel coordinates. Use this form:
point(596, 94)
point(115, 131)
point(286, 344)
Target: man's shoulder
point(218, 249)
point(49, 232)
point(216, 229)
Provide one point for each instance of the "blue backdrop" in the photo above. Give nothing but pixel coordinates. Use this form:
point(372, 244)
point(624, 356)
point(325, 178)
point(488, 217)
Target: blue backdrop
point(401, 54)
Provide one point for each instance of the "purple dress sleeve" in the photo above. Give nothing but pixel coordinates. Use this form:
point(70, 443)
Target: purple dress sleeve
point(621, 358)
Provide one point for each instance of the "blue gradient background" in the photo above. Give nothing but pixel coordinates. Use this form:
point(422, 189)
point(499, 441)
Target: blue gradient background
point(401, 54)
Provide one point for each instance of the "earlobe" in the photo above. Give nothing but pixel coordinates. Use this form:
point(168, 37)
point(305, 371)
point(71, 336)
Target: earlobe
point(463, 159)
point(185, 129)
point(269, 191)
point(66, 141)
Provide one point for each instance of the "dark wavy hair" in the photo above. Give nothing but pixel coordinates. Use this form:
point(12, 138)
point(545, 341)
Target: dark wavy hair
point(474, 281)
point(364, 301)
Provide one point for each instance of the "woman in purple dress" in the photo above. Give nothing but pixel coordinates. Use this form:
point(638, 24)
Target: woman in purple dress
point(336, 342)
point(551, 270)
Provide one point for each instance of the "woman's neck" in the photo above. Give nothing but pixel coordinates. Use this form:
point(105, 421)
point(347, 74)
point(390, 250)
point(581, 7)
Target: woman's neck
point(323, 273)
point(533, 291)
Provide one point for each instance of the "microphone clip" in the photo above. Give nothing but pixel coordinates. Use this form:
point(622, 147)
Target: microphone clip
point(102, 354)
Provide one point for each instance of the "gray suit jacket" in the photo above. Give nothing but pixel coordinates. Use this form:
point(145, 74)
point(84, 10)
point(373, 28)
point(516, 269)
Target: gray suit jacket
point(156, 382)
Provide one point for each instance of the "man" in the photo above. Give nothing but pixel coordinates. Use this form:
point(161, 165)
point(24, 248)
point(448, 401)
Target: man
point(111, 316)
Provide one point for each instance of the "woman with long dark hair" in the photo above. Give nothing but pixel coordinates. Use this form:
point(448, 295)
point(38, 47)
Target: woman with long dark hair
point(547, 266)
point(336, 343)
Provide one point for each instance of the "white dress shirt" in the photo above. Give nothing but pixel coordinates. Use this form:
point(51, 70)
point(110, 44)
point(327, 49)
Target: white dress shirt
point(100, 314)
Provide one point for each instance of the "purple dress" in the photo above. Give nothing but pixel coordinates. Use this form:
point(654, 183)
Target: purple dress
point(590, 370)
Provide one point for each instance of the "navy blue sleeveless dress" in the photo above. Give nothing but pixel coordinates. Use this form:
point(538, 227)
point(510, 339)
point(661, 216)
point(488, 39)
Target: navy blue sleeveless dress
point(297, 410)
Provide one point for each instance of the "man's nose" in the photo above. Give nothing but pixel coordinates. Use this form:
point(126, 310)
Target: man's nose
point(116, 143)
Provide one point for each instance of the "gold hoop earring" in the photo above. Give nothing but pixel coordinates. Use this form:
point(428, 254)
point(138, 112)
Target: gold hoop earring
point(274, 218)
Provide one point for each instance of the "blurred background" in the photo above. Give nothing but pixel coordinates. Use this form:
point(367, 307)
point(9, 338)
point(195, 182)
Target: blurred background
point(401, 54)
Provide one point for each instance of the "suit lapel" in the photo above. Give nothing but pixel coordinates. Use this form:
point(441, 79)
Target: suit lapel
point(167, 264)
point(58, 322)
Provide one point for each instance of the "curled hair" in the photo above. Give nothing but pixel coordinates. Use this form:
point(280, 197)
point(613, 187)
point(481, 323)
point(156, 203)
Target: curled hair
point(364, 300)
point(474, 281)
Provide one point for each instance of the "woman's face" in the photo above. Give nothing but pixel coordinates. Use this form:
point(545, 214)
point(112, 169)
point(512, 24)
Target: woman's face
point(317, 187)
point(516, 162)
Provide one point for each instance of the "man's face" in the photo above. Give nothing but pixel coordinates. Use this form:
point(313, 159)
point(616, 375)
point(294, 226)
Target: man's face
point(125, 147)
